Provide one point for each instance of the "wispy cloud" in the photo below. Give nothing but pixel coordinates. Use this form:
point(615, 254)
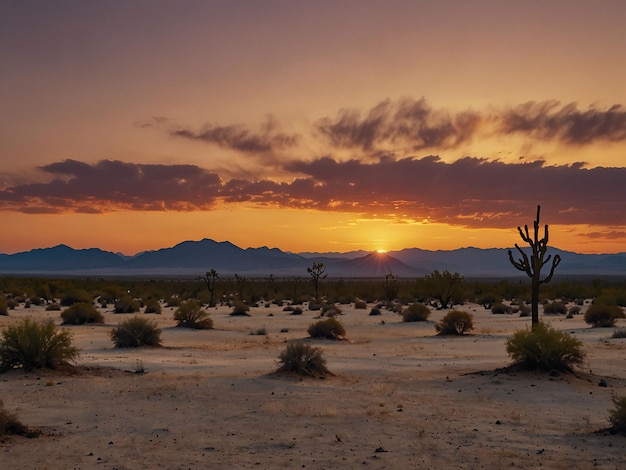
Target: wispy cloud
point(472, 192)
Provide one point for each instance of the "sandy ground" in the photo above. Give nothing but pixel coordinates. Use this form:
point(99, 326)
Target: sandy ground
point(401, 398)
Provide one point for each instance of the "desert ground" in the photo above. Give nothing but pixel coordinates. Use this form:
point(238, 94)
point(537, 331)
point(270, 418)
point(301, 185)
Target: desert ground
point(400, 398)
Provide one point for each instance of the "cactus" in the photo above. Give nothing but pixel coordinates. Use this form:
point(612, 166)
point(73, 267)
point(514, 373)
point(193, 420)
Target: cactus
point(532, 266)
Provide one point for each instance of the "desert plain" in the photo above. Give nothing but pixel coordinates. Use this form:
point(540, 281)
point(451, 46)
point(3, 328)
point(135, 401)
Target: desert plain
point(401, 397)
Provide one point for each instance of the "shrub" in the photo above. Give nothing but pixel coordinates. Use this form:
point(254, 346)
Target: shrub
point(621, 333)
point(81, 313)
point(360, 305)
point(296, 311)
point(544, 348)
point(173, 302)
point(554, 308)
point(135, 332)
point(33, 345)
point(240, 309)
point(10, 424)
point(617, 418)
point(599, 315)
point(455, 322)
point(153, 306)
point(75, 296)
point(330, 310)
point(524, 310)
point(314, 305)
point(303, 359)
point(499, 308)
point(12, 304)
point(191, 315)
point(375, 311)
point(4, 307)
point(53, 307)
point(574, 310)
point(415, 312)
point(126, 304)
point(261, 331)
point(330, 328)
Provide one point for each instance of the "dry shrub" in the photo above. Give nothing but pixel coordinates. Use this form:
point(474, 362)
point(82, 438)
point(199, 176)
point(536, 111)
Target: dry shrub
point(360, 305)
point(191, 315)
point(598, 315)
point(303, 359)
point(4, 307)
point(554, 308)
point(499, 308)
point(153, 306)
point(415, 312)
point(330, 328)
point(126, 304)
point(619, 333)
point(456, 322)
point(544, 348)
point(375, 311)
point(240, 309)
point(34, 345)
point(135, 332)
point(10, 424)
point(330, 310)
point(617, 418)
point(81, 313)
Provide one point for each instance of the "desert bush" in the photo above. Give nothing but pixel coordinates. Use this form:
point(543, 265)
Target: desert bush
point(455, 322)
point(544, 348)
point(126, 304)
point(375, 311)
point(314, 305)
point(135, 332)
point(75, 296)
point(191, 315)
point(303, 359)
point(12, 304)
point(554, 308)
point(261, 331)
point(4, 307)
point(415, 312)
point(330, 328)
point(620, 333)
point(598, 315)
point(360, 305)
point(173, 302)
point(53, 307)
point(33, 345)
point(524, 310)
point(10, 424)
point(499, 308)
point(330, 310)
point(35, 300)
point(153, 306)
point(296, 311)
point(81, 313)
point(617, 417)
point(240, 309)
point(574, 310)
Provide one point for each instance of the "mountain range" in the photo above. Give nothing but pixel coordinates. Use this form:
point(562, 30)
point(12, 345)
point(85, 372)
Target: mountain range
point(194, 258)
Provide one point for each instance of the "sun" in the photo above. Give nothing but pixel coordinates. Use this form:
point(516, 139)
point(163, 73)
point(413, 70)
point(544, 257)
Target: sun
point(381, 251)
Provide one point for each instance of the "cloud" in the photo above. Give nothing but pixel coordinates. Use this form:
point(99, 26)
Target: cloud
point(240, 138)
point(412, 125)
point(469, 192)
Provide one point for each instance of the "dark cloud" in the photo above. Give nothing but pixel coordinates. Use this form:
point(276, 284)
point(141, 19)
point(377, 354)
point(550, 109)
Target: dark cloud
point(239, 137)
point(414, 125)
point(473, 192)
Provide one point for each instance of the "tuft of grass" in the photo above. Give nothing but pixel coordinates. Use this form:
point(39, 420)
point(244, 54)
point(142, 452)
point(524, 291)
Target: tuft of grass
point(191, 315)
point(33, 345)
point(330, 328)
point(303, 359)
point(456, 322)
point(415, 312)
point(10, 424)
point(544, 348)
point(617, 417)
point(81, 313)
point(135, 332)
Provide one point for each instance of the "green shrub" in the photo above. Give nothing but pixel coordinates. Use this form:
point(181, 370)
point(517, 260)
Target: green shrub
point(617, 418)
point(135, 332)
point(330, 328)
point(554, 308)
point(599, 315)
point(4, 307)
point(10, 424)
point(455, 322)
point(33, 345)
point(415, 312)
point(544, 348)
point(191, 315)
point(499, 308)
point(153, 306)
point(303, 359)
point(126, 304)
point(81, 313)
point(240, 309)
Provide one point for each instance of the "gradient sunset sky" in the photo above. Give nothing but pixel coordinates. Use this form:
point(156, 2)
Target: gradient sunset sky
point(312, 125)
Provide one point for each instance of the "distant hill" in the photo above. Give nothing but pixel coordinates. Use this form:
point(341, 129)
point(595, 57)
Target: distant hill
point(194, 258)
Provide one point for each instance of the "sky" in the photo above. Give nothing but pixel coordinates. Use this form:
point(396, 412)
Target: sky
point(312, 125)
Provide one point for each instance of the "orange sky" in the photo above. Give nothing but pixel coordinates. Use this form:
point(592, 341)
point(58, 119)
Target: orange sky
point(312, 126)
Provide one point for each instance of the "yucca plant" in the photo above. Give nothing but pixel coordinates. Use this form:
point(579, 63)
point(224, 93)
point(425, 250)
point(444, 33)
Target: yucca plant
point(33, 345)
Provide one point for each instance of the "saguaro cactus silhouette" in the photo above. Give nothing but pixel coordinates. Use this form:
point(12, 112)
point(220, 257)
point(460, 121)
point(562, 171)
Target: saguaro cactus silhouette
point(532, 266)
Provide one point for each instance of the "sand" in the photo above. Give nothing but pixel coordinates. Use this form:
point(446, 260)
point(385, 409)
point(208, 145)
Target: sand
point(400, 398)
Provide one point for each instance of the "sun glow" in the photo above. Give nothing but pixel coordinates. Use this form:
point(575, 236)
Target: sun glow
point(381, 251)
